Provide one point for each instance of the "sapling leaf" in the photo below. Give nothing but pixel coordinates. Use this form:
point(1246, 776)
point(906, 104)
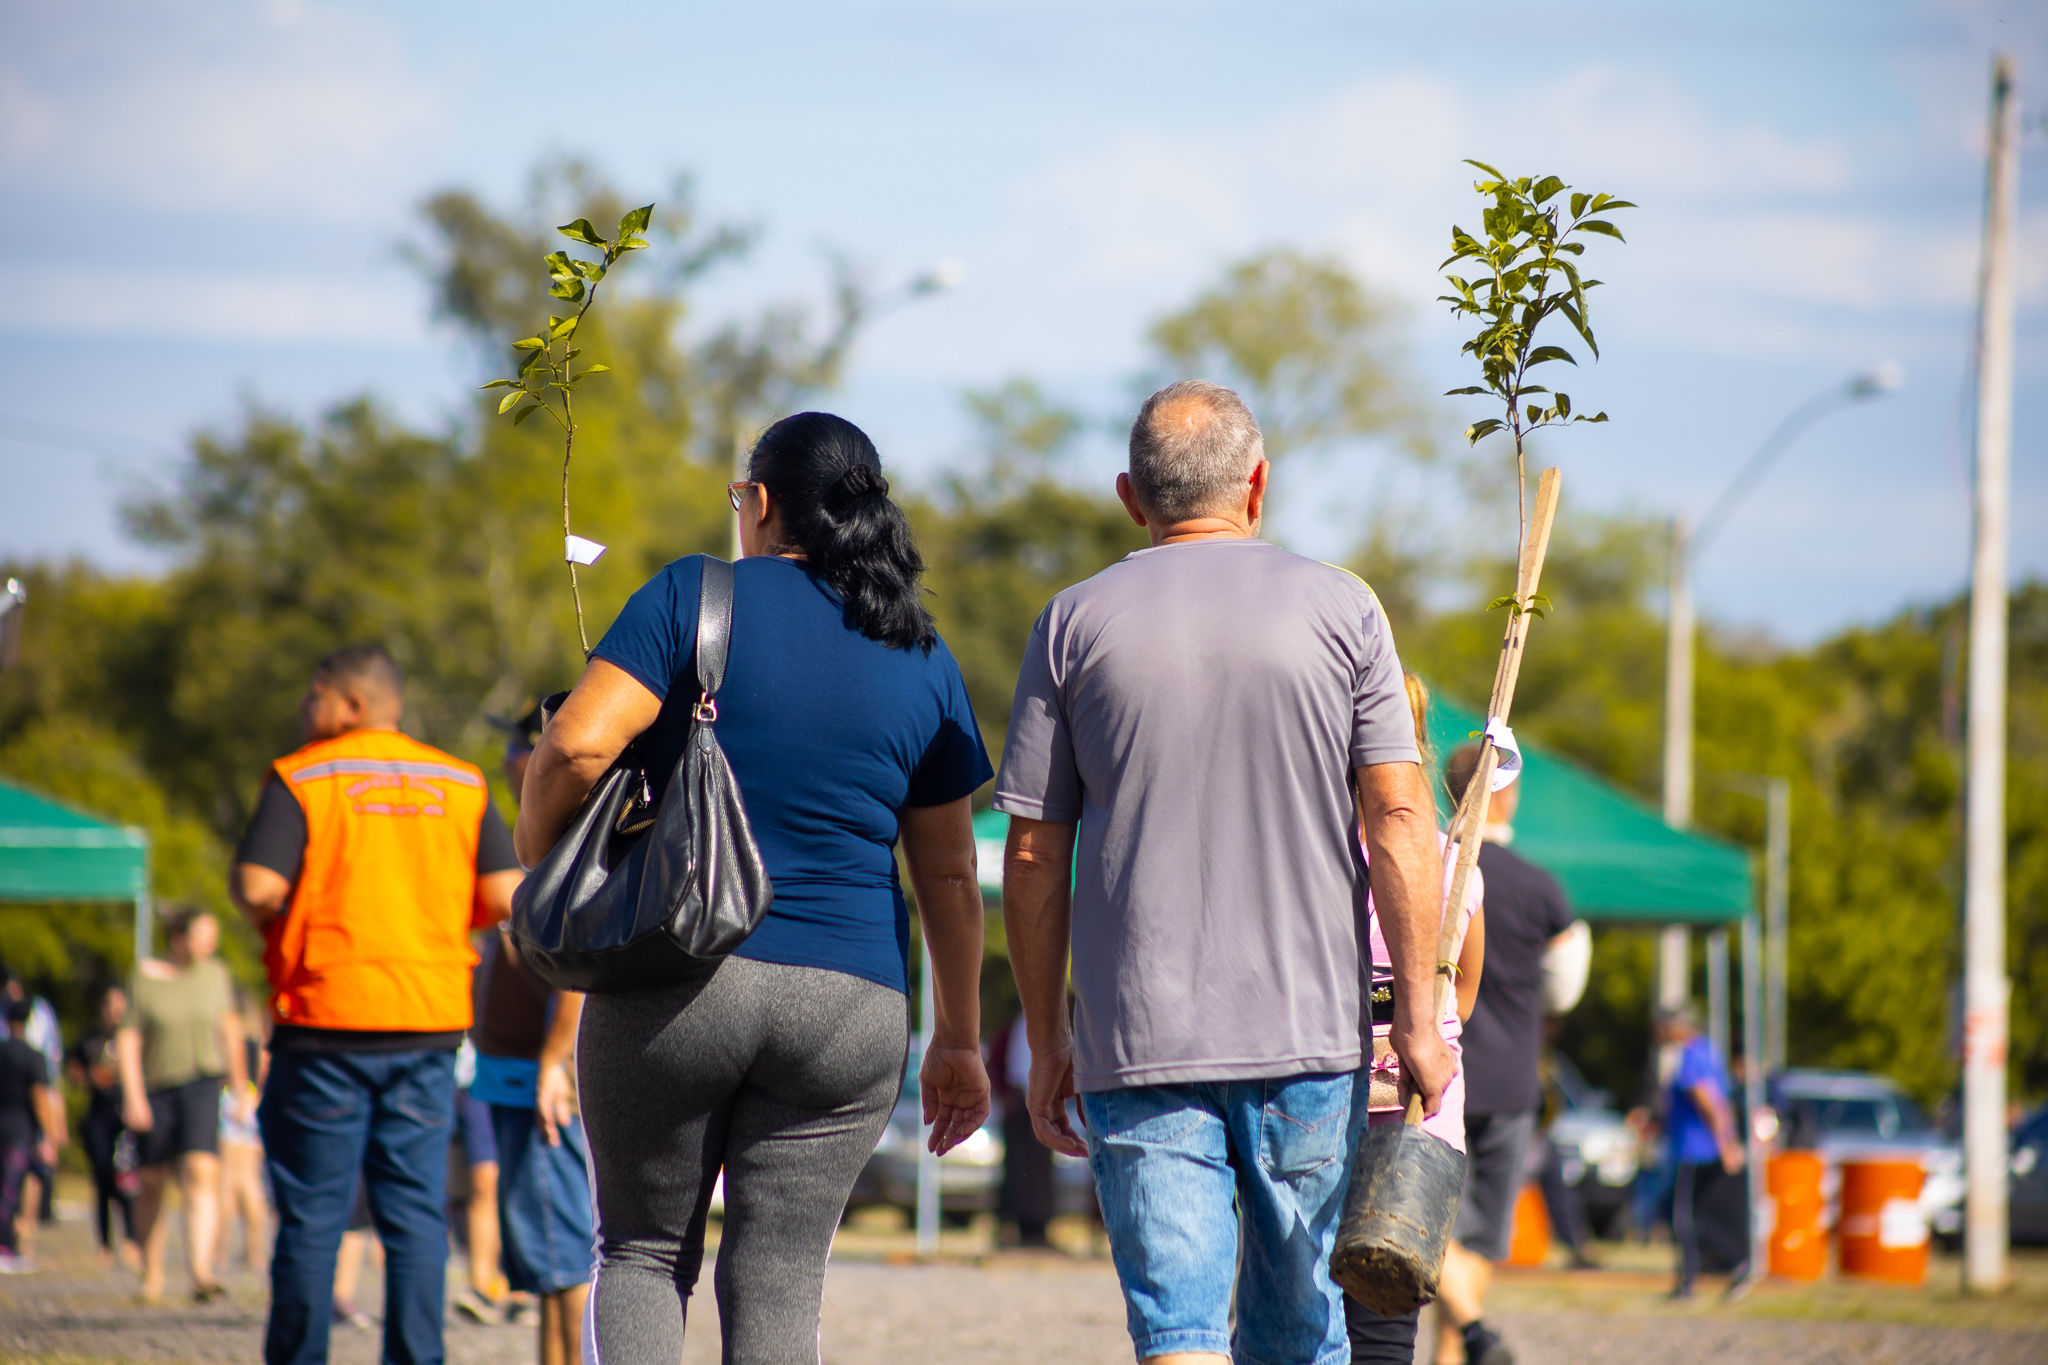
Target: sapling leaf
point(595, 369)
point(1564, 405)
point(528, 344)
point(1547, 353)
point(569, 288)
point(1603, 228)
point(524, 413)
point(510, 400)
point(636, 221)
point(1469, 388)
point(582, 231)
point(561, 327)
point(1479, 431)
point(497, 384)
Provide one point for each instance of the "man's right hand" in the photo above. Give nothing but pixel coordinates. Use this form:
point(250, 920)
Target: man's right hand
point(137, 1117)
point(1427, 1065)
point(1052, 1085)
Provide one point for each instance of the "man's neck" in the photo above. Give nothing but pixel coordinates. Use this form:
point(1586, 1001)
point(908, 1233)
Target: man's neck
point(1202, 528)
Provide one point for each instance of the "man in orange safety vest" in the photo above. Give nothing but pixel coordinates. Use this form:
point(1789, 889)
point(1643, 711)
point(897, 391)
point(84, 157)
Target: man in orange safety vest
point(370, 858)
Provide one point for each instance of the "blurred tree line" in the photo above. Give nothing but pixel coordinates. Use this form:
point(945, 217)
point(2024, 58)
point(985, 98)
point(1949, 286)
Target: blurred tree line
point(161, 701)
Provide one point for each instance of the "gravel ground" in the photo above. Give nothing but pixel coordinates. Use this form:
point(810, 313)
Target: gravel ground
point(1018, 1307)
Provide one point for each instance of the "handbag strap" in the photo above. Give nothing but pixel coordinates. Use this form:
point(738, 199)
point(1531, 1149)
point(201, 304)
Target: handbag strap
point(714, 634)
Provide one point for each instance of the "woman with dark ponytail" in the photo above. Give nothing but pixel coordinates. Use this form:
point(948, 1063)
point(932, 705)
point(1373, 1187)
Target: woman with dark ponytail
point(848, 728)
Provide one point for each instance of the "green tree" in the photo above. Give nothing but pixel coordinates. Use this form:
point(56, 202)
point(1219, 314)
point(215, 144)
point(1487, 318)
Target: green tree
point(1309, 347)
point(1004, 534)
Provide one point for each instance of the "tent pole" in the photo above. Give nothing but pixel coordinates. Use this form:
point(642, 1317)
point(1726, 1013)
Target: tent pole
point(145, 912)
point(1717, 989)
point(1753, 1091)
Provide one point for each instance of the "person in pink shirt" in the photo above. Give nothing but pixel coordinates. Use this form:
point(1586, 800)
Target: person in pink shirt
point(1386, 1103)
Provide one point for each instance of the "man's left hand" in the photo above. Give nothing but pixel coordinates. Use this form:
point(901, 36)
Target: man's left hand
point(1427, 1065)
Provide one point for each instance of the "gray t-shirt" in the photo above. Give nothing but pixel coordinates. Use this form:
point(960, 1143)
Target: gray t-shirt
point(1198, 709)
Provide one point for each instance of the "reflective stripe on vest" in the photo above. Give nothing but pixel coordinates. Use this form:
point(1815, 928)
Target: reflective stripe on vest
point(377, 933)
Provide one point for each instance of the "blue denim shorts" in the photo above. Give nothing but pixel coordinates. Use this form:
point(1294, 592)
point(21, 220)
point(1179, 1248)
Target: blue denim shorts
point(1220, 1186)
point(543, 1204)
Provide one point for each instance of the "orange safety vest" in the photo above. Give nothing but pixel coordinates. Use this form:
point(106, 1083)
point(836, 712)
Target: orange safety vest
point(377, 932)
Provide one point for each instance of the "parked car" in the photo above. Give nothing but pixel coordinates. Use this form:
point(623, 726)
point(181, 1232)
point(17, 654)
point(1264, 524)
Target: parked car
point(1840, 1114)
point(1600, 1152)
point(2029, 1179)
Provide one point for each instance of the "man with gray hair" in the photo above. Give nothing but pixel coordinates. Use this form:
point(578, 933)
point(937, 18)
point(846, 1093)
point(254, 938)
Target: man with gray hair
point(1214, 723)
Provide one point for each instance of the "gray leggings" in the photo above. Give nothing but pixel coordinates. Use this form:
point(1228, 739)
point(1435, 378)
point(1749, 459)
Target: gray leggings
point(784, 1076)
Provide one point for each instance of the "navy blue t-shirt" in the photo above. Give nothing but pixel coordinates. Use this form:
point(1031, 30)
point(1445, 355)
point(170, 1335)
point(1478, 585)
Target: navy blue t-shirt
point(829, 734)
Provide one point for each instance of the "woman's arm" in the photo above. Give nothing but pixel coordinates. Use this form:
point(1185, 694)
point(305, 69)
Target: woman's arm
point(608, 710)
point(1471, 960)
point(238, 1062)
point(938, 848)
point(135, 1113)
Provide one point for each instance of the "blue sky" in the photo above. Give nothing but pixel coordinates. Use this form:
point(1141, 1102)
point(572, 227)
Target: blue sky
point(206, 199)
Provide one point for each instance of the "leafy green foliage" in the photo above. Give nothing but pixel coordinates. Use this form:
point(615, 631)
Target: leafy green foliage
point(547, 380)
point(1004, 534)
point(1304, 342)
point(1531, 274)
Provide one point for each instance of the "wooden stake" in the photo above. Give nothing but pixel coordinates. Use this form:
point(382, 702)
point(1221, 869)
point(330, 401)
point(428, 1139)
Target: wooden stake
point(1470, 820)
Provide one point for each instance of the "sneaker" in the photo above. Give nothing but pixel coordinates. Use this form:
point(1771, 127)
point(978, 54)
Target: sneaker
point(478, 1309)
point(1484, 1347)
point(347, 1314)
point(12, 1264)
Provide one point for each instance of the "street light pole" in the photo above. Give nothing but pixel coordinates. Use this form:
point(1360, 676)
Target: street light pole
point(1986, 989)
point(1674, 957)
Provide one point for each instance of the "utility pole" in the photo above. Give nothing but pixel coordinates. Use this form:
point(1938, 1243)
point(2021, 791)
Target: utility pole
point(1674, 945)
point(1986, 989)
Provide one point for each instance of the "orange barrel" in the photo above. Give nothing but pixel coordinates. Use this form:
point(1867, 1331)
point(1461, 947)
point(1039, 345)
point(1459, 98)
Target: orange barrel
point(1529, 1243)
point(1883, 1230)
point(1799, 1245)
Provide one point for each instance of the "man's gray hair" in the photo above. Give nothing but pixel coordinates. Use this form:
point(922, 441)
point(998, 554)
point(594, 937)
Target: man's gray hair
point(1193, 447)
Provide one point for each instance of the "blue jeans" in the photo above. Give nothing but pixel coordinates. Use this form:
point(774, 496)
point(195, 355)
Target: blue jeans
point(1217, 1186)
point(543, 1203)
point(326, 1118)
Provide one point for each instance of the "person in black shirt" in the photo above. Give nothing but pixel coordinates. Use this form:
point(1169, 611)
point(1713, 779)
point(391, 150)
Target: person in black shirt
point(96, 1069)
point(1526, 912)
point(29, 1120)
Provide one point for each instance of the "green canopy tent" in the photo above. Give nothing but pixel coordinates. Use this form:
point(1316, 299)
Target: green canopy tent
point(50, 852)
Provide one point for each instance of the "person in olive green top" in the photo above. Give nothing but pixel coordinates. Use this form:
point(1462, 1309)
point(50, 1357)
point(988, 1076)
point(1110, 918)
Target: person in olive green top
point(182, 1039)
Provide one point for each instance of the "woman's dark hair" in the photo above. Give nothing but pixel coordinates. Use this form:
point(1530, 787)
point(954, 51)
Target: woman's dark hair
point(827, 478)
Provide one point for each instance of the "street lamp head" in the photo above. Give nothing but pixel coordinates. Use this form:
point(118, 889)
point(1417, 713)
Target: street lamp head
point(1883, 377)
point(941, 277)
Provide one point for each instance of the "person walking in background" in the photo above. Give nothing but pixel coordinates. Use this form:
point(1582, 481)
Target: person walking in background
point(1025, 1198)
point(242, 1199)
point(1705, 1148)
point(30, 1115)
point(1526, 912)
point(1216, 723)
point(525, 1039)
point(96, 1069)
point(44, 1035)
point(368, 861)
point(848, 727)
point(181, 1043)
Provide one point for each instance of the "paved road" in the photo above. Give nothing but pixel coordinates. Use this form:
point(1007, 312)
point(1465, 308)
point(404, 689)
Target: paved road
point(1009, 1308)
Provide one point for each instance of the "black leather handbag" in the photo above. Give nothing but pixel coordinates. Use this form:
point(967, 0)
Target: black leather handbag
point(634, 896)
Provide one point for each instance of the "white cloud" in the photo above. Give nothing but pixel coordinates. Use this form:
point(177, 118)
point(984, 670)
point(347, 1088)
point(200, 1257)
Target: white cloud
point(1748, 238)
point(280, 308)
point(287, 108)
